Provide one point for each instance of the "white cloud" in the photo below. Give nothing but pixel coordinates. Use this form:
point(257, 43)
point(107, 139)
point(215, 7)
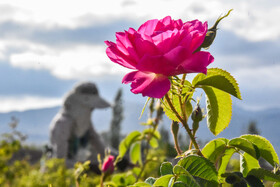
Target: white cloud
point(77, 62)
point(22, 103)
point(252, 19)
point(261, 77)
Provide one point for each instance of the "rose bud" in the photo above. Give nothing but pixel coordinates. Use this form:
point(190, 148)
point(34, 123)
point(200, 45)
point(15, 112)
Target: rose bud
point(197, 115)
point(108, 165)
point(211, 33)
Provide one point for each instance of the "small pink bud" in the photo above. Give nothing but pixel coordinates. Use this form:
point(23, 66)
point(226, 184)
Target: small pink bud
point(108, 165)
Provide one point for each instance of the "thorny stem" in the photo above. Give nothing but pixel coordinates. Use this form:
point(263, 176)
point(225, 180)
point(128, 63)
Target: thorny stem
point(184, 123)
point(172, 108)
point(194, 131)
point(176, 144)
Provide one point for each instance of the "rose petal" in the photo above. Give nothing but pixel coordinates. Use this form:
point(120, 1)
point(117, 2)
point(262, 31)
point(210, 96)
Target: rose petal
point(166, 41)
point(197, 63)
point(149, 84)
point(125, 45)
point(198, 32)
point(166, 64)
point(148, 27)
point(144, 47)
point(118, 57)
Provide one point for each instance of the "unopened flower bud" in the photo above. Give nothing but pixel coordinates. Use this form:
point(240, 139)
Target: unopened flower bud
point(175, 128)
point(211, 33)
point(108, 165)
point(197, 115)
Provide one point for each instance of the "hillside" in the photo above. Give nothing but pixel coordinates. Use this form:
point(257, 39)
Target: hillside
point(35, 123)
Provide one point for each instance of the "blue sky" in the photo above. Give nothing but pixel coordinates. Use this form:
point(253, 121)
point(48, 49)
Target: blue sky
point(47, 46)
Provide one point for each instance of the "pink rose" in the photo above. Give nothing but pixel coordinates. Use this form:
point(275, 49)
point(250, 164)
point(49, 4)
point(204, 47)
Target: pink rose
point(157, 50)
point(108, 165)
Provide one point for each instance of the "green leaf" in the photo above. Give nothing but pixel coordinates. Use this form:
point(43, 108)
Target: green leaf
point(166, 168)
point(218, 109)
point(140, 184)
point(119, 179)
point(264, 174)
point(219, 79)
point(163, 181)
point(188, 180)
point(214, 149)
point(150, 180)
point(233, 177)
point(136, 171)
point(180, 184)
point(178, 170)
point(246, 146)
point(127, 141)
point(153, 142)
point(184, 176)
point(200, 167)
point(225, 160)
point(135, 153)
point(206, 183)
point(265, 148)
point(123, 179)
point(247, 163)
point(254, 181)
point(129, 179)
point(171, 182)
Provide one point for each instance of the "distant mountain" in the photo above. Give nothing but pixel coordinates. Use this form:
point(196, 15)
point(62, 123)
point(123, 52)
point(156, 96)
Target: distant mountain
point(35, 123)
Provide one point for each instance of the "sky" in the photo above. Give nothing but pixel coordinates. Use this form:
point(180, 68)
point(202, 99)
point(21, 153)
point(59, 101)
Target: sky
point(48, 46)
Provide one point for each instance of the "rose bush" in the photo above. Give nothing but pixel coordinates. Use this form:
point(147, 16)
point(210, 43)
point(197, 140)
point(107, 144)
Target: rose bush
point(157, 50)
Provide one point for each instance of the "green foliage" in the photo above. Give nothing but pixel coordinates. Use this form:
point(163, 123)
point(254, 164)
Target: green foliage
point(135, 153)
point(206, 167)
point(265, 148)
point(218, 109)
point(248, 163)
point(250, 148)
point(127, 142)
point(199, 167)
point(224, 160)
point(166, 168)
point(185, 178)
point(219, 79)
point(123, 179)
point(150, 180)
point(246, 146)
point(164, 180)
point(191, 171)
point(264, 174)
point(218, 85)
point(181, 102)
point(237, 179)
point(214, 149)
